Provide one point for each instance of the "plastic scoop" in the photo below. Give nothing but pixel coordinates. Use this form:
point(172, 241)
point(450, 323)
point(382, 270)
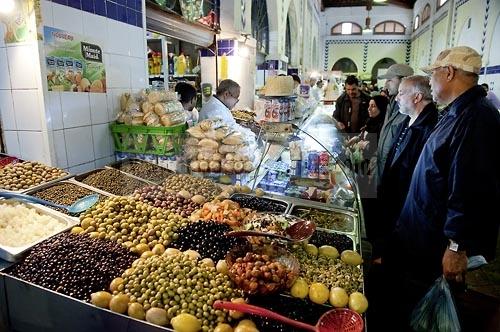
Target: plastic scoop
point(79, 206)
point(299, 231)
point(338, 320)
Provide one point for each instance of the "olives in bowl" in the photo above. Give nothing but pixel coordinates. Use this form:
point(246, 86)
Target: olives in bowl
point(262, 269)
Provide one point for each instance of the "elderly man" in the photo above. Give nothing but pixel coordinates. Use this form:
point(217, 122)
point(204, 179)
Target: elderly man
point(393, 118)
point(220, 105)
point(450, 212)
point(415, 102)
point(351, 108)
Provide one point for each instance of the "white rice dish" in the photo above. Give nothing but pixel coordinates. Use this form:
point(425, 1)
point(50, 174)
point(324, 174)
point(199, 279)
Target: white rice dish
point(21, 225)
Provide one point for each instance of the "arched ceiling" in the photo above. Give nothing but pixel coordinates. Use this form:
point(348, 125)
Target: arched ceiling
point(353, 3)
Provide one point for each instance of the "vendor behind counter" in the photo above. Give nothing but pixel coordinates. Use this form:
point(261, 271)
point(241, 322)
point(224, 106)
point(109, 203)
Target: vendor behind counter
point(220, 105)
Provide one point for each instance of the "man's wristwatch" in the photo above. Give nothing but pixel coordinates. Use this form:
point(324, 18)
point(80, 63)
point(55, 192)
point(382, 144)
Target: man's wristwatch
point(453, 246)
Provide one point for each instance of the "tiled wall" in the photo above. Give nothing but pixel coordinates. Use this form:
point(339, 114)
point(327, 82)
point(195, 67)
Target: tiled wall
point(77, 123)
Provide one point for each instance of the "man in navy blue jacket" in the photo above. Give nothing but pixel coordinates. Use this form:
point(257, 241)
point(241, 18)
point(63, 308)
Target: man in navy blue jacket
point(450, 212)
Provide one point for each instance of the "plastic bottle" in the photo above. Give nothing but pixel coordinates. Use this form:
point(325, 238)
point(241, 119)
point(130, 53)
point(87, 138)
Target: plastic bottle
point(223, 67)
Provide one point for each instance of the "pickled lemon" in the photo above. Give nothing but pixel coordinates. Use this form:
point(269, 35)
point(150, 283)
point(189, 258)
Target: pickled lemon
point(311, 249)
point(358, 302)
point(300, 288)
point(351, 257)
point(185, 323)
point(329, 251)
point(318, 293)
point(223, 328)
point(338, 297)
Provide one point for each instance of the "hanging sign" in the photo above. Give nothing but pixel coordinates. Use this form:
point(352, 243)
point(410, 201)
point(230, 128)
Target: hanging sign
point(74, 63)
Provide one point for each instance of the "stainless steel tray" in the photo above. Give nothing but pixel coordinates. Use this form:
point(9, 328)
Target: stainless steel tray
point(274, 200)
point(28, 307)
point(328, 210)
point(78, 180)
point(12, 254)
point(117, 164)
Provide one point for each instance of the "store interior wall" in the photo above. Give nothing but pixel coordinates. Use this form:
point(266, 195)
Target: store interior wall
point(73, 125)
point(474, 23)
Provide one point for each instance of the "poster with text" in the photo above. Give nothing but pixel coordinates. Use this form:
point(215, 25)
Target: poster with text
point(20, 20)
point(73, 62)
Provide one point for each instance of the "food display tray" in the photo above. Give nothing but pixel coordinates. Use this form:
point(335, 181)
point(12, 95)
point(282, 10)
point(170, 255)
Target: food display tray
point(327, 210)
point(117, 164)
point(274, 200)
point(13, 254)
point(78, 180)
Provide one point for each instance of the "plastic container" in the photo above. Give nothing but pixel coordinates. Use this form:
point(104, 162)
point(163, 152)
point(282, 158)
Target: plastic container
point(163, 141)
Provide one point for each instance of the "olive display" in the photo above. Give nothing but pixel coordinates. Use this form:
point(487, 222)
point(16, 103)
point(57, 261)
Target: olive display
point(145, 170)
point(74, 265)
point(300, 310)
point(114, 182)
point(27, 174)
point(207, 238)
point(329, 271)
point(179, 284)
point(340, 241)
point(64, 194)
point(131, 222)
point(160, 197)
point(326, 219)
point(195, 186)
point(259, 203)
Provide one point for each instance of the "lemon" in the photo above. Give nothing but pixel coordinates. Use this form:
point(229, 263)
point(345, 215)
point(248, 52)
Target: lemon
point(223, 328)
point(76, 230)
point(259, 192)
point(300, 288)
point(329, 251)
point(311, 249)
point(318, 293)
point(358, 302)
point(157, 316)
point(351, 257)
point(338, 297)
point(185, 323)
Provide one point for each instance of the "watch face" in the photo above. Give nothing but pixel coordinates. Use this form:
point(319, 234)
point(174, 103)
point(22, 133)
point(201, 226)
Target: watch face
point(453, 246)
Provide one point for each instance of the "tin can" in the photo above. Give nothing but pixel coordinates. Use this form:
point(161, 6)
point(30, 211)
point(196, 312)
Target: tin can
point(313, 165)
point(296, 168)
point(324, 158)
point(324, 173)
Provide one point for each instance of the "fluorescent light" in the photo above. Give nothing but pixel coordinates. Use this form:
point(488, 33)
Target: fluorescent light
point(379, 1)
point(7, 6)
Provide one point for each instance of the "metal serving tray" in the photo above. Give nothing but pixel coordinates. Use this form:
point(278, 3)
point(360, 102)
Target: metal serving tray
point(13, 254)
point(117, 164)
point(274, 200)
point(30, 308)
point(327, 210)
point(78, 180)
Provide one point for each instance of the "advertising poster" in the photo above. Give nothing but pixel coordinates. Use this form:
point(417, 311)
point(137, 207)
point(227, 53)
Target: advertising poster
point(21, 21)
point(73, 62)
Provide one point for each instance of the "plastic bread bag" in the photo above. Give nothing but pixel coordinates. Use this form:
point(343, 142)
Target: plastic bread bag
point(222, 132)
point(236, 138)
point(151, 119)
point(157, 96)
point(209, 143)
point(124, 100)
point(191, 152)
point(196, 132)
point(223, 149)
point(214, 124)
point(148, 107)
point(168, 107)
point(192, 141)
point(172, 119)
point(205, 154)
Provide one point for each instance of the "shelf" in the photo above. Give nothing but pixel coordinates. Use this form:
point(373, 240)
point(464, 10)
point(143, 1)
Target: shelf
point(156, 76)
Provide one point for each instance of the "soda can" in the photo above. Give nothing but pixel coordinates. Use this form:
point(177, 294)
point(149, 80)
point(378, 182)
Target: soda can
point(324, 158)
point(296, 168)
point(313, 165)
point(323, 172)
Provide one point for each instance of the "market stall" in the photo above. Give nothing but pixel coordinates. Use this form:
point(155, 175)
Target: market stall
point(154, 253)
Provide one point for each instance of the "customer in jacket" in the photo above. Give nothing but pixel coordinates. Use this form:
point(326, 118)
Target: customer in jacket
point(414, 99)
point(393, 118)
point(219, 106)
point(451, 210)
point(351, 108)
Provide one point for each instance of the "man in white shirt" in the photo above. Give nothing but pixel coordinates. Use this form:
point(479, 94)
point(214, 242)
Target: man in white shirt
point(220, 105)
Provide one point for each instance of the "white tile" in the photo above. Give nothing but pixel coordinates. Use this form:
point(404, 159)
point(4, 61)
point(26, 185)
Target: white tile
point(2, 33)
point(98, 108)
point(54, 114)
point(118, 38)
point(100, 163)
point(118, 71)
point(137, 73)
point(82, 168)
point(113, 97)
point(47, 13)
point(75, 109)
point(23, 66)
point(96, 29)
point(68, 19)
point(12, 143)
point(4, 66)
point(60, 148)
point(79, 146)
point(137, 42)
point(32, 146)
point(7, 114)
point(27, 109)
point(101, 136)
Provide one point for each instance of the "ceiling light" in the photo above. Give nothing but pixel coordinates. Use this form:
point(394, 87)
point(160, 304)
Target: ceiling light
point(7, 6)
point(379, 1)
